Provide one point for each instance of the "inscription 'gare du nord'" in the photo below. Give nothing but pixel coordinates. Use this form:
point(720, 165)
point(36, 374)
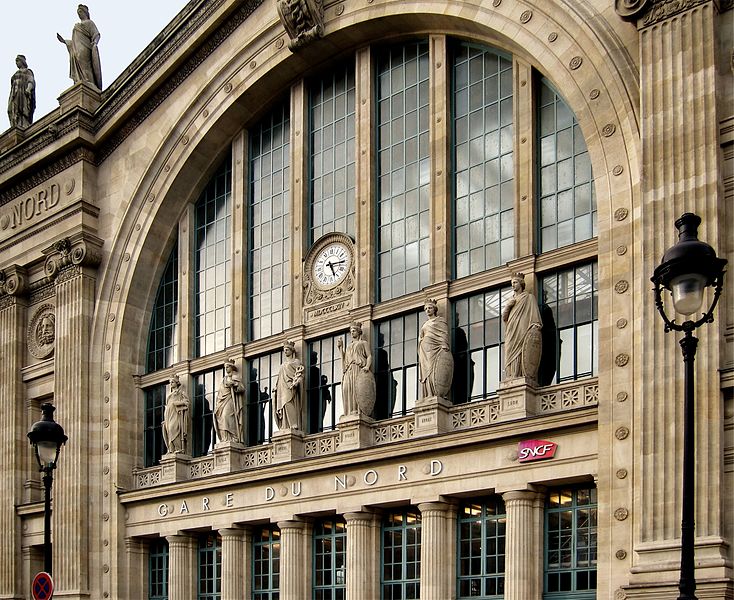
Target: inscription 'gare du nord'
point(341, 482)
point(22, 211)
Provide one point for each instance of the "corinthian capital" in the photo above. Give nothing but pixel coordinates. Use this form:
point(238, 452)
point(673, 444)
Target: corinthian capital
point(81, 250)
point(12, 281)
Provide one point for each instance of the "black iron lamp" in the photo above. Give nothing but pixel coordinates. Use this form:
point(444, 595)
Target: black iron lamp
point(47, 437)
point(687, 269)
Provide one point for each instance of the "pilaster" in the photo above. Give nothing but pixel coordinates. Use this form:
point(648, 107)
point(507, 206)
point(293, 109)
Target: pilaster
point(363, 547)
point(239, 307)
point(181, 566)
point(295, 553)
point(233, 564)
point(299, 196)
point(523, 541)
point(437, 581)
point(136, 550)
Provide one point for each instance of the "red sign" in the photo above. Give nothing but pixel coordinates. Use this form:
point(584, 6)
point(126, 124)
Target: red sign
point(531, 450)
point(42, 587)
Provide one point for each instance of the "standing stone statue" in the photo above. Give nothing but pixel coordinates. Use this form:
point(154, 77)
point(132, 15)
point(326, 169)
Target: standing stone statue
point(358, 381)
point(176, 418)
point(288, 391)
point(84, 65)
point(228, 409)
point(435, 362)
point(22, 100)
point(523, 339)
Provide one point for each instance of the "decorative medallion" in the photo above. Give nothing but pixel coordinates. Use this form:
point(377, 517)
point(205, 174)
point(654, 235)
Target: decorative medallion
point(253, 64)
point(622, 433)
point(621, 473)
point(280, 43)
point(552, 36)
point(621, 250)
point(328, 276)
point(526, 16)
point(228, 87)
point(621, 323)
point(620, 214)
point(69, 186)
point(496, 3)
point(621, 359)
point(41, 332)
point(618, 170)
point(608, 130)
point(622, 396)
point(575, 63)
point(621, 286)
point(621, 554)
point(620, 595)
point(340, 10)
point(621, 514)
point(594, 94)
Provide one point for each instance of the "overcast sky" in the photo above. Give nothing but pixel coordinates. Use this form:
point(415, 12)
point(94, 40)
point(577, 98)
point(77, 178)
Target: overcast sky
point(29, 27)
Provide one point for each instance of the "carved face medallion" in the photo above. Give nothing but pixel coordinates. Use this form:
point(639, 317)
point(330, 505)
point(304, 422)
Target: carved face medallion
point(332, 265)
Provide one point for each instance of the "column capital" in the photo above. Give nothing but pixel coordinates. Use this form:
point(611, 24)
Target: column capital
point(360, 517)
point(231, 532)
point(78, 250)
point(179, 539)
point(134, 544)
point(292, 524)
point(13, 281)
point(520, 495)
point(443, 507)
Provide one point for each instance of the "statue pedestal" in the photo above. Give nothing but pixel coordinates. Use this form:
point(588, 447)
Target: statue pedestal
point(287, 445)
point(80, 95)
point(355, 431)
point(227, 456)
point(518, 398)
point(432, 416)
point(175, 467)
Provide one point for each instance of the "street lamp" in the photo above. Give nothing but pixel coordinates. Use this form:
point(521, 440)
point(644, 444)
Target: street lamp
point(47, 437)
point(687, 269)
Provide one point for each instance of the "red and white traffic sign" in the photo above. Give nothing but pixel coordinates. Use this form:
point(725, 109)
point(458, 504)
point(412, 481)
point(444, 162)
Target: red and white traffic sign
point(42, 587)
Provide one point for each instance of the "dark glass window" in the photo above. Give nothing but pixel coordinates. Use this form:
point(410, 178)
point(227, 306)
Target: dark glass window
point(266, 564)
point(484, 188)
point(324, 384)
point(204, 398)
point(570, 543)
point(210, 567)
point(155, 404)
point(401, 556)
point(332, 152)
point(481, 549)
point(261, 383)
point(403, 170)
point(396, 365)
point(163, 321)
point(212, 252)
point(567, 204)
point(270, 223)
point(158, 570)
point(329, 560)
point(571, 295)
point(479, 335)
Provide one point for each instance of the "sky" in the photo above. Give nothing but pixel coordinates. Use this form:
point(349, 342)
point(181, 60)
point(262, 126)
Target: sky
point(29, 27)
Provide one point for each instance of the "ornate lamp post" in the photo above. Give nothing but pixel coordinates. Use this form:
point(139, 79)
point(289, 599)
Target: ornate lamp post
point(47, 437)
point(687, 269)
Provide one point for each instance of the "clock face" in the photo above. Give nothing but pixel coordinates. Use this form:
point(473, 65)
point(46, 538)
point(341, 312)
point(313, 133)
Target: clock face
point(332, 264)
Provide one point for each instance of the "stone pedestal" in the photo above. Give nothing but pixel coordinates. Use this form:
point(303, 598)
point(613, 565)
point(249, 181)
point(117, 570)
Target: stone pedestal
point(355, 431)
point(437, 538)
point(80, 95)
point(227, 456)
point(518, 398)
point(176, 467)
point(432, 416)
point(363, 547)
point(287, 445)
point(523, 546)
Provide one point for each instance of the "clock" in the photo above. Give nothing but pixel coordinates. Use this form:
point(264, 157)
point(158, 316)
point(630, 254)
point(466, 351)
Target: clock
point(332, 264)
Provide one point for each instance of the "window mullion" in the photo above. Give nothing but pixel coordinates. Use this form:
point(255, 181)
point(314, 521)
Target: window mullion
point(185, 332)
point(299, 180)
point(240, 294)
point(524, 151)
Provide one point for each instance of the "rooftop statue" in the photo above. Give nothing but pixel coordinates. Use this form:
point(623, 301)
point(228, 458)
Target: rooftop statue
point(84, 65)
point(22, 101)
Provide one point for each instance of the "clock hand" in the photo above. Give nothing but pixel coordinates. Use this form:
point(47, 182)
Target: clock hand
point(331, 266)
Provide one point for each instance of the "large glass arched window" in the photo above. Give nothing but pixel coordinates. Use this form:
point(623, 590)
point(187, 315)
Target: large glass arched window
point(163, 321)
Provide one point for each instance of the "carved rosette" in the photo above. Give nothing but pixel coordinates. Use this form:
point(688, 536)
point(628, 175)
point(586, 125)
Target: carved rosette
point(67, 253)
point(41, 334)
point(303, 20)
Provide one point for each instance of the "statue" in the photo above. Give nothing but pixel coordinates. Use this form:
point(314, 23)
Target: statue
point(84, 65)
point(22, 100)
point(358, 381)
point(176, 418)
point(228, 409)
point(288, 391)
point(523, 340)
point(435, 361)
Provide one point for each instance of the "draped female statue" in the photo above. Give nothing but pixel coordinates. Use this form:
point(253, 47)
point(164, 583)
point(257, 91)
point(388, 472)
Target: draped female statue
point(288, 390)
point(84, 64)
point(228, 409)
point(435, 361)
point(176, 418)
point(358, 381)
point(523, 341)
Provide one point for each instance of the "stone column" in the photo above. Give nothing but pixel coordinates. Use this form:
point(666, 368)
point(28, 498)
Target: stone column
point(136, 550)
point(295, 549)
point(70, 263)
point(181, 566)
point(438, 578)
point(13, 443)
point(523, 545)
point(363, 547)
point(233, 564)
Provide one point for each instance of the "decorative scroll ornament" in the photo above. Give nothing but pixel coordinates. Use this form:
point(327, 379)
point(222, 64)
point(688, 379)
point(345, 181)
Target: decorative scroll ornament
point(41, 334)
point(13, 281)
point(303, 20)
point(65, 253)
point(630, 10)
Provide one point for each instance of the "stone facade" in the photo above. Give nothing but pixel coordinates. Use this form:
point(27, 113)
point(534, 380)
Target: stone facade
point(95, 197)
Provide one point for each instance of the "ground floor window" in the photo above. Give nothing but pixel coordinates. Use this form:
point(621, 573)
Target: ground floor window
point(481, 549)
point(209, 584)
point(329, 559)
point(570, 543)
point(401, 556)
point(158, 570)
point(266, 564)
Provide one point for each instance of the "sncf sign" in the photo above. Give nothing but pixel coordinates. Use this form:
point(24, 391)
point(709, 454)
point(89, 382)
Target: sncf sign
point(531, 450)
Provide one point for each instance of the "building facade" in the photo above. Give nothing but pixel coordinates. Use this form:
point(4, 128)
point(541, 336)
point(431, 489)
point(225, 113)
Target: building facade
point(273, 172)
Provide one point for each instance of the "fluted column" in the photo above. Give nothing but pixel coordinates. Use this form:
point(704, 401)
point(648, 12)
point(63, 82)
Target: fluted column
point(137, 552)
point(233, 564)
point(12, 443)
point(294, 551)
point(363, 547)
point(438, 573)
point(181, 566)
point(523, 544)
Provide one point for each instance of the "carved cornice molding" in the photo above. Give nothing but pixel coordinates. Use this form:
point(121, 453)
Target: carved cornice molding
point(650, 12)
point(70, 254)
point(13, 281)
point(303, 21)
